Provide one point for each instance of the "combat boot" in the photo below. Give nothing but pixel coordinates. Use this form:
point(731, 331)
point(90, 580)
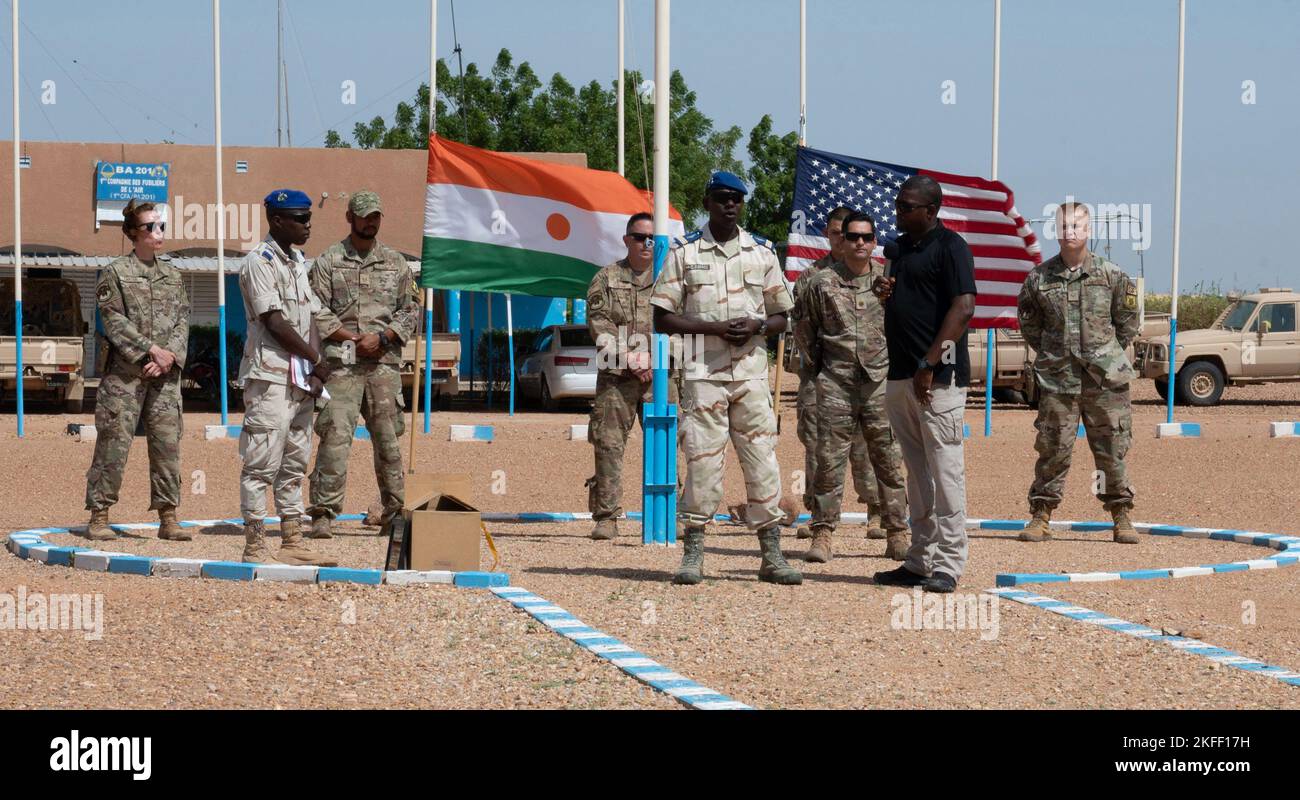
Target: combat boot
point(605, 529)
point(897, 544)
point(255, 550)
point(293, 551)
point(1039, 528)
point(802, 532)
point(774, 569)
point(169, 528)
point(874, 530)
point(691, 570)
point(320, 528)
point(1125, 533)
point(98, 528)
point(820, 551)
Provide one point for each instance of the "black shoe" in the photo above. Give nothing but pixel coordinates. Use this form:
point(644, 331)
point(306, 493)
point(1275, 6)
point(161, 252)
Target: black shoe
point(940, 583)
point(900, 577)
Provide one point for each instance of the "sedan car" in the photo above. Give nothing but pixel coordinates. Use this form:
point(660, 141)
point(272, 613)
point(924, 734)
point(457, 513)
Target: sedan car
point(561, 366)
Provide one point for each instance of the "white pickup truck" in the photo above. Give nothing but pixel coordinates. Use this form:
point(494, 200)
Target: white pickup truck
point(53, 343)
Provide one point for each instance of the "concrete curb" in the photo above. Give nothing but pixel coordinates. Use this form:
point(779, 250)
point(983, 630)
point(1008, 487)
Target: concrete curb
point(1284, 430)
point(1178, 430)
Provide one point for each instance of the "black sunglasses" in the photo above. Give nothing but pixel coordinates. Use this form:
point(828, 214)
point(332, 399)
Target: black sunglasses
point(722, 198)
point(908, 208)
point(151, 226)
point(301, 219)
point(859, 237)
point(642, 237)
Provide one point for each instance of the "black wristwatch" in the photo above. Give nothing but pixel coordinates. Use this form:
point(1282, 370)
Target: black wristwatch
point(762, 328)
point(923, 364)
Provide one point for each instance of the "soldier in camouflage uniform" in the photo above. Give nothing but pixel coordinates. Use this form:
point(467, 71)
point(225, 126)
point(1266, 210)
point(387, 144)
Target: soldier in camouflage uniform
point(864, 478)
point(619, 318)
point(839, 323)
point(1079, 313)
point(146, 318)
point(724, 285)
point(369, 308)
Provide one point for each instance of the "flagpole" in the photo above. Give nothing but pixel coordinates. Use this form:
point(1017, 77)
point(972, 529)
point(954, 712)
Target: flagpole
point(659, 515)
point(621, 26)
point(1178, 210)
point(803, 141)
point(427, 295)
point(510, 345)
point(18, 243)
point(221, 210)
point(991, 345)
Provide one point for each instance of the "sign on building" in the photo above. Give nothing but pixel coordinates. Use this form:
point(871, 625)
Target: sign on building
point(117, 183)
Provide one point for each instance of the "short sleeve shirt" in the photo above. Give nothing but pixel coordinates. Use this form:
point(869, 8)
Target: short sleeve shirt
point(272, 280)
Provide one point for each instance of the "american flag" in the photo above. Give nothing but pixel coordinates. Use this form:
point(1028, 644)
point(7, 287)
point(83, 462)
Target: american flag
point(981, 211)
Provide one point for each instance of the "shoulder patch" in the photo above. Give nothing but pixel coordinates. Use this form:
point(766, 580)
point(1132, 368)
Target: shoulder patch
point(763, 242)
point(103, 293)
point(688, 238)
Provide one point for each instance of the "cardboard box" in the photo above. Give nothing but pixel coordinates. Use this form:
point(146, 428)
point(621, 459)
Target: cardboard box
point(443, 527)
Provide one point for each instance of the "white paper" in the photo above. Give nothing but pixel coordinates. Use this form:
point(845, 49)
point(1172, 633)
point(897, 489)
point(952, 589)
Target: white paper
point(299, 370)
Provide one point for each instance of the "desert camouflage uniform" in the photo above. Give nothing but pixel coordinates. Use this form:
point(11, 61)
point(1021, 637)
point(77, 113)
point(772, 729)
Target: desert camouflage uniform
point(141, 305)
point(725, 387)
point(842, 323)
point(621, 321)
point(1079, 323)
point(864, 477)
point(362, 295)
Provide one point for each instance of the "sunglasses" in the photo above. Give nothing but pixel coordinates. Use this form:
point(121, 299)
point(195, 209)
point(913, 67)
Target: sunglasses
point(161, 227)
point(722, 198)
point(908, 208)
point(642, 238)
point(301, 219)
point(859, 237)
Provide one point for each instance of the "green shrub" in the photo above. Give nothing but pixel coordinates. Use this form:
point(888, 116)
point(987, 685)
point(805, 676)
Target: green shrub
point(1196, 311)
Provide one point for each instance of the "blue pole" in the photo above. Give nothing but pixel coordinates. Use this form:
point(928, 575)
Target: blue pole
point(221, 350)
point(1173, 343)
point(655, 522)
point(990, 354)
point(18, 364)
point(428, 360)
point(579, 312)
point(510, 345)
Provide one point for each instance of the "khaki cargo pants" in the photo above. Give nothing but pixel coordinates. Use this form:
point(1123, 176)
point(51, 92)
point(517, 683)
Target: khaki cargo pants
point(275, 445)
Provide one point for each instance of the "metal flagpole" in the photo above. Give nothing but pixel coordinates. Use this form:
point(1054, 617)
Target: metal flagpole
point(991, 345)
point(803, 141)
point(18, 240)
point(427, 294)
point(1178, 211)
point(659, 511)
point(621, 26)
point(510, 346)
point(221, 209)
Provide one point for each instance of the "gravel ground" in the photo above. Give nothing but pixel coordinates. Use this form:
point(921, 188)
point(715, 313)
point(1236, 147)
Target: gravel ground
point(828, 643)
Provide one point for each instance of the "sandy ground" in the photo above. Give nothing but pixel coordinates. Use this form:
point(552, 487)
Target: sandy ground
point(828, 643)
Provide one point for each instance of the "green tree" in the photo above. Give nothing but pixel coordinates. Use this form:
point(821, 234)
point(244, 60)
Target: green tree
point(771, 174)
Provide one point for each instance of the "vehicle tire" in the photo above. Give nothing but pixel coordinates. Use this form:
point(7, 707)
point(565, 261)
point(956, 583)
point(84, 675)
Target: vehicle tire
point(1200, 383)
point(549, 403)
point(1162, 388)
point(1005, 394)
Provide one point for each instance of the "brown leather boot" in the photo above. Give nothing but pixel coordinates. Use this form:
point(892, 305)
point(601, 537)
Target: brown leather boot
point(605, 529)
point(320, 527)
point(1038, 528)
point(1125, 533)
point(169, 528)
point(98, 528)
point(820, 551)
point(293, 551)
point(897, 544)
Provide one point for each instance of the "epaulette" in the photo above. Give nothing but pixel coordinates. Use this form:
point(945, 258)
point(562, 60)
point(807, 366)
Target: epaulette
point(688, 238)
point(763, 242)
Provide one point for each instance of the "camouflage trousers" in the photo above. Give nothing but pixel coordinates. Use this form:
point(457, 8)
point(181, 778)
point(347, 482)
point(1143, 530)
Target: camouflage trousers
point(275, 445)
point(121, 400)
point(1107, 417)
point(375, 391)
point(854, 411)
point(864, 478)
point(713, 412)
point(615, 410)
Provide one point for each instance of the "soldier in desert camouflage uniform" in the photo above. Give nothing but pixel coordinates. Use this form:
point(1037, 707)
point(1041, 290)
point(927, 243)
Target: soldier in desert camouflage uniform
point(369, 308)
point(1079, 313)
point(864, 478)
point(146, 318)
point(621, 324)
point(725, 284)
point(839, 323)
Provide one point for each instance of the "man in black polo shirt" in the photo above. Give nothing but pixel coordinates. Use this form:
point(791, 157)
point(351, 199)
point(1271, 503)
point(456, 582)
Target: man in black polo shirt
point(930, 293)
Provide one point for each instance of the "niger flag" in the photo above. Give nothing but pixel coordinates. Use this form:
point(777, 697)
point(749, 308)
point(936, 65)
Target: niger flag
point(500, 223)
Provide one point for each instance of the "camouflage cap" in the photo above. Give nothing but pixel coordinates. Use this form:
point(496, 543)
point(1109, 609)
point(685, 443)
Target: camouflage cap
point(365, 203)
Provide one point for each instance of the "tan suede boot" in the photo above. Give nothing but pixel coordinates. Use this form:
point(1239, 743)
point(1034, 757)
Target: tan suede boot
point(1038, 528)
point(1125, 533)
point(605, 529)
point(293, 551)
point(320, 527)
point(255, 550)
point(820, 551)
point(98, 528)
point(169, 528)
point(874, 531)
point(897, 544)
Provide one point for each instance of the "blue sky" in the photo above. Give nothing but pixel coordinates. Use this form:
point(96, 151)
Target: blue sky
point(1087, 89)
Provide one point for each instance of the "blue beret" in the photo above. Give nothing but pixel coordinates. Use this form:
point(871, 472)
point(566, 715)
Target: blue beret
point(286, 199)
point(726, 180)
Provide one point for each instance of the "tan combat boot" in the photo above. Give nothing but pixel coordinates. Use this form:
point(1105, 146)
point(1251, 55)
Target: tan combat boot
point(605, 529)
point(320, 527)
point(255, 550)
point(169, 528)
point(98, 528)
point(897, 544)
point(293, 551)
point(1125, 533)
point(1039, 527)
point(874, 530)
point(820, 551)
point(802, 532)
